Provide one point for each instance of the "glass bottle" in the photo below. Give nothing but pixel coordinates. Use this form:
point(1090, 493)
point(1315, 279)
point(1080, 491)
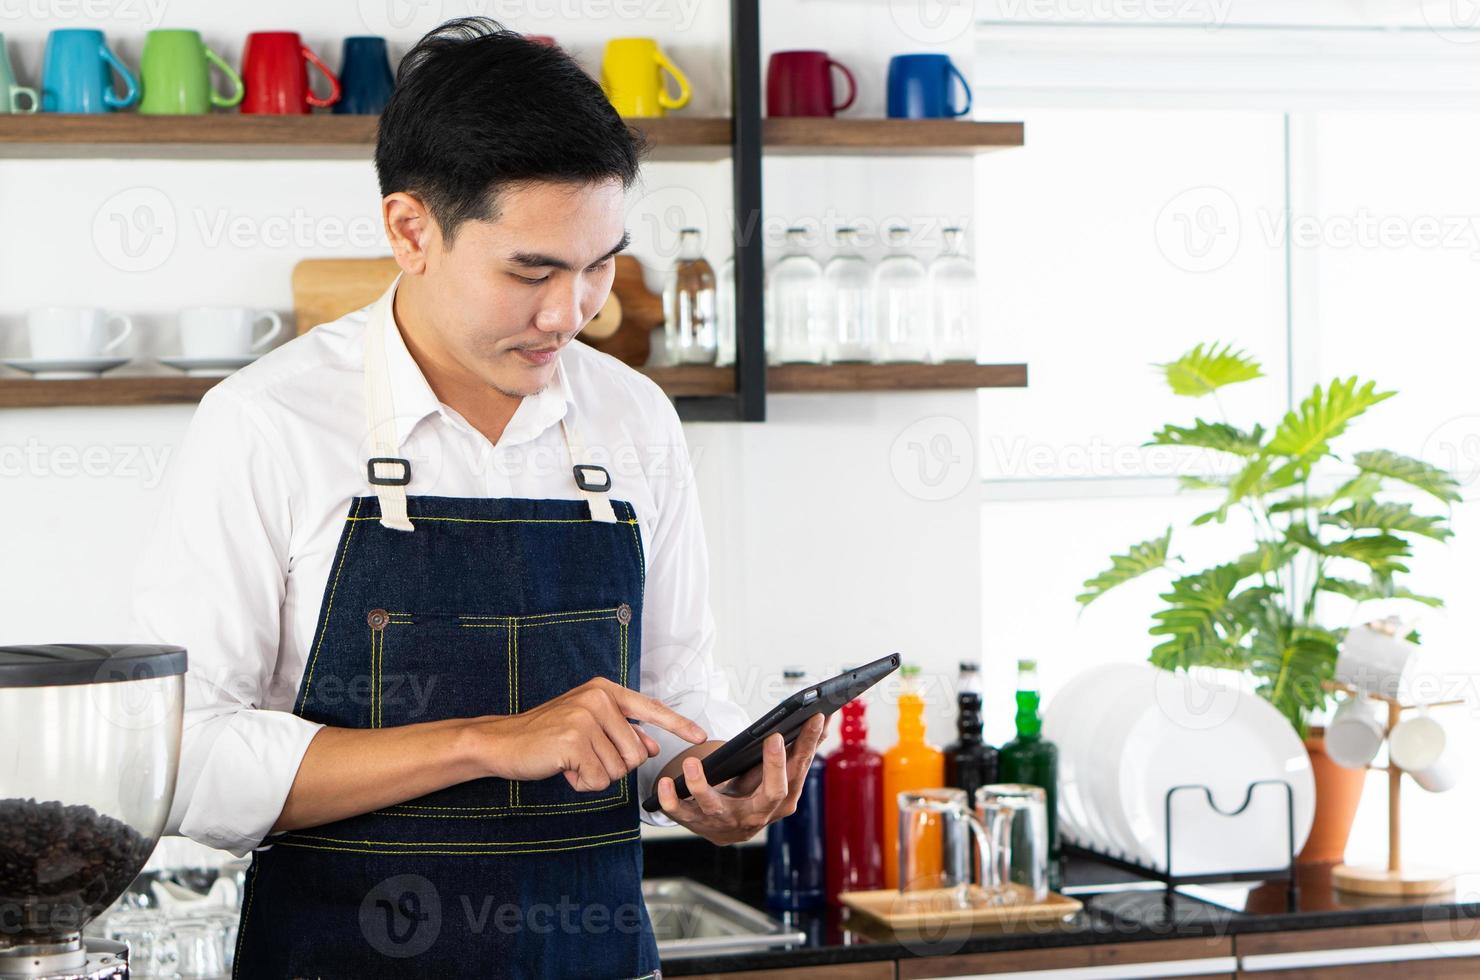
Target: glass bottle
point(794, 844)
point(955, 331)
point(901, 301)
point(796, 294)
point(849, 292)
point(1030, 758)
point(852, 790)
point(689, 326)
point(912, 763)
point(970, 761)
point(724, 298)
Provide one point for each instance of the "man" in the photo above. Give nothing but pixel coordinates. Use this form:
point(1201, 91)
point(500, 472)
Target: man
point(442, 577)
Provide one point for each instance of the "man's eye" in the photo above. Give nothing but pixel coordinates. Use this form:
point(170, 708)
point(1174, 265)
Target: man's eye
point(532, 282)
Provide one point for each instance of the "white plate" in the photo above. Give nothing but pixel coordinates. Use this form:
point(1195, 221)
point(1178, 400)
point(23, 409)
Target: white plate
point(1102, 732)
point(1065, 724)
point(209, 367)
point(53, 369)
point(1183, 731)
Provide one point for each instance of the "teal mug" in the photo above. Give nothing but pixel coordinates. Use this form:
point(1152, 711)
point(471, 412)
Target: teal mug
point(12, 94)
point(75, 74)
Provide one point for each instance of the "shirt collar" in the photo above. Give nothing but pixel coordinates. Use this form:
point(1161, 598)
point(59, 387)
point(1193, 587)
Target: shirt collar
point(415, 400)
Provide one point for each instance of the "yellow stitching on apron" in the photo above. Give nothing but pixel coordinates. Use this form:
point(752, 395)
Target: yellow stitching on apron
point(480, 843)
point(563, 612)
point(528, 850)
point(641, 560)
point(532, 809)
point(374, 688)
point(493, 520)
point(552, 622)
point(328, 608)
point(509, 656)
point(246, 920)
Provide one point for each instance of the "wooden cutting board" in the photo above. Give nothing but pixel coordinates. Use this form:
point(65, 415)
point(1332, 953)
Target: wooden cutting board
point(327, 289)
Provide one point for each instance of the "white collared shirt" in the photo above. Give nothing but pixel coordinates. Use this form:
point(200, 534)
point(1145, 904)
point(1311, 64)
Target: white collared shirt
point(236, 569)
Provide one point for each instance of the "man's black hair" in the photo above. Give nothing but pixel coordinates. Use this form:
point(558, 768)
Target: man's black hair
point(478, 109)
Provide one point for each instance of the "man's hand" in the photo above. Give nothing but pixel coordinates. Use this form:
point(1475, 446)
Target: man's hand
point(584, 733)
point(737, 810)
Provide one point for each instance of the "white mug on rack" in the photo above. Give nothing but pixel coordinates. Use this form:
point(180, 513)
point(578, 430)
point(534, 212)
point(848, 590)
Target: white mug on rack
point(1423, 749)
point(1354, 734)
point(225, 331)
point(1375, 661)
point(65, 333)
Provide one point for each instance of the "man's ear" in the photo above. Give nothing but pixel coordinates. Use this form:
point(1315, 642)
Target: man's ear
point(410, 229)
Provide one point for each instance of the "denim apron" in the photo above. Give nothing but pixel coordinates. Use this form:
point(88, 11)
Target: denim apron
point(446, 607)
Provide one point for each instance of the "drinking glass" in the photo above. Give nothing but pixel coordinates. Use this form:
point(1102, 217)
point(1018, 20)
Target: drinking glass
point(1015, 817)
point(935, 835)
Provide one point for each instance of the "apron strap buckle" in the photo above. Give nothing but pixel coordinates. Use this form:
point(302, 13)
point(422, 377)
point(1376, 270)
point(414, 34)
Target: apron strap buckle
point(391, 481)
point(589, 485)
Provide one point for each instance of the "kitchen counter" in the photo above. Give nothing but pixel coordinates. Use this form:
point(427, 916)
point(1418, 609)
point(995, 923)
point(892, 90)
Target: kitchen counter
point(1119, 909)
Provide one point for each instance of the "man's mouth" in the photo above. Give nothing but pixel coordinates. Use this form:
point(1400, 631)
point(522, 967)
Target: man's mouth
point(538, 356)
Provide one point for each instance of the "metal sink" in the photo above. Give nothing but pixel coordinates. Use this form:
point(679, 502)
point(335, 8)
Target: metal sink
point(690, 918)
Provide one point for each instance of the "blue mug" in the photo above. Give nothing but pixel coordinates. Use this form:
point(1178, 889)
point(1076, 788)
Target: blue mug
point(74, 74)
point(920, 87)
point(365, 77)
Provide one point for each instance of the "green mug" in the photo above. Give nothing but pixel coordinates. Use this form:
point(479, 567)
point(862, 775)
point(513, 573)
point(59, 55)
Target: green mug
point(10, 92)
point(175, 72)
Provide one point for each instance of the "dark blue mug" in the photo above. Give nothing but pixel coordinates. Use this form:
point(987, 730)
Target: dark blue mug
point(74, 74)
point(920, 87)
point(365, 77)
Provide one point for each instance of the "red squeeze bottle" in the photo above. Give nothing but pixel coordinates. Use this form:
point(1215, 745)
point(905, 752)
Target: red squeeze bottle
point(852, 788)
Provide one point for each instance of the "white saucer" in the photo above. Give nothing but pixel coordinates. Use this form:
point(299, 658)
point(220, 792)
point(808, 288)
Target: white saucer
point(209, 367)
point(71, 368)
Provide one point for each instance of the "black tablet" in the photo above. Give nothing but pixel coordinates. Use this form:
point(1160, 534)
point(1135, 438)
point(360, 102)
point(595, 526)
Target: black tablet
point(743, 752)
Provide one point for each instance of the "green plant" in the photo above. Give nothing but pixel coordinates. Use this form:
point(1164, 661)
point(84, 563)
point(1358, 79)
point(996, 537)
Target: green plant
point(1258, 613)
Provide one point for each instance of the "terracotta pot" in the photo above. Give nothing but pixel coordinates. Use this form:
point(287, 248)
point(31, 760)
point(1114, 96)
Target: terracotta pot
point(1338, 792)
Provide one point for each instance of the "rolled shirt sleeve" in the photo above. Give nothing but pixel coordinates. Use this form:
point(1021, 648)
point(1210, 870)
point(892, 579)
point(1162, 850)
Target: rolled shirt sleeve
point(678, 633)
point(212, 579)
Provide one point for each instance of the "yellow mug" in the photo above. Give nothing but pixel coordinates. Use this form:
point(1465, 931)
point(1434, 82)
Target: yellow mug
point(632, 77)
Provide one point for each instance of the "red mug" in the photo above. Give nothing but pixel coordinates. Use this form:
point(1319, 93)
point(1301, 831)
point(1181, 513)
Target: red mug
point(544, 39)
point(275, 72)
point(799, 83)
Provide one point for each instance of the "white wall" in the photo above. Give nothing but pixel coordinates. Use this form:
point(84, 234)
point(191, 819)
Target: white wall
point(837, 533)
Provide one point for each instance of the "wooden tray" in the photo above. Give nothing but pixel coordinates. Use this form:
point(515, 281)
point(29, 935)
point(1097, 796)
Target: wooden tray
point(938, 907)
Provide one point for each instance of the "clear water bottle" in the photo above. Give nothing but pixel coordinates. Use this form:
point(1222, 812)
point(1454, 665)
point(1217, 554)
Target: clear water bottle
point(953, 311)
point(725, 314)
point(689, 326)
point(795, 857)
point(796, 294)
point(849, 289)
point(901, 301)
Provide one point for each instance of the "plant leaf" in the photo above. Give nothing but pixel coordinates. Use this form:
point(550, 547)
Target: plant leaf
point(1205, 369)
point(1201, 483)
point(1291, 663)
point(1306, 434)
point(1416, 473)
point(1267, 557)
point(1204, 621)
point(1370, 592)
point(1388, 517)
point(1377, 551)
point(1138, 560)
point(1211, 435)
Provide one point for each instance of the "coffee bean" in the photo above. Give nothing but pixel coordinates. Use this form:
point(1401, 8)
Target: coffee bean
point(60, 866)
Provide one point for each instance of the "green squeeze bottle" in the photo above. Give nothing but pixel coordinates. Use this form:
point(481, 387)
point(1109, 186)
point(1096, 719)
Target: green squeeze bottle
point(1032, 759)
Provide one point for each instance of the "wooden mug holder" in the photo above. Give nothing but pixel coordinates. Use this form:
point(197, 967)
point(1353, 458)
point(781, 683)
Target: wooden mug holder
point(1394, 879)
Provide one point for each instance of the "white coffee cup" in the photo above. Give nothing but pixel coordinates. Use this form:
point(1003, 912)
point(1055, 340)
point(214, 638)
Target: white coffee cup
point(225, 331)
point(1376, 662)
point(1354, 734)
point(1422, 748)
point(65, 333)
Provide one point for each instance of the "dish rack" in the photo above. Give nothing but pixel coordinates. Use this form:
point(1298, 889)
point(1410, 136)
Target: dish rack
point(1172, 880)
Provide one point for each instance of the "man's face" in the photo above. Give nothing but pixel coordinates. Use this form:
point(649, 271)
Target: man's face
point(514, 291)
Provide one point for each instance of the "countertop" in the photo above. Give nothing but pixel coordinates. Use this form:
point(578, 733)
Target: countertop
point(1118, 908)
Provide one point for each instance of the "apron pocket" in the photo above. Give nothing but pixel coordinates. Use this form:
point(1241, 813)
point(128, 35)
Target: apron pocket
point(434, 666)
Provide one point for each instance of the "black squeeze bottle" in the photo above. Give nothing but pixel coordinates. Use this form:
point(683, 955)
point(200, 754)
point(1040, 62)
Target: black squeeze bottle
point(970, 761)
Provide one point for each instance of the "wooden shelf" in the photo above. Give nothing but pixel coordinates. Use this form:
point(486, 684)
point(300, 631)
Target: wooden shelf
point(325, 136)
point(887, 137)
point(679, 382)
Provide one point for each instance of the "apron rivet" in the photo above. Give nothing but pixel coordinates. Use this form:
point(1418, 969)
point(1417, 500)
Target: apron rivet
point(624, 614)
point(379, 619)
